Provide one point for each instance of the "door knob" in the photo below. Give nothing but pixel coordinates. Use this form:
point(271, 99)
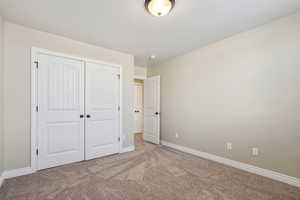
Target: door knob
point(88, 116)
point(81, 116)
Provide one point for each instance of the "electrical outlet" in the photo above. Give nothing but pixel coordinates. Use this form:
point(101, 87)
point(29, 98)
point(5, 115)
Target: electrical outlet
point(255, 151)
point(176, 135)
point(229, 145)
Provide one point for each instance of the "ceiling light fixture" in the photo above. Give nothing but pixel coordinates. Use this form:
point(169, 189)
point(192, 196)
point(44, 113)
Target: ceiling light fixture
point(159, 8)
point(152, 57)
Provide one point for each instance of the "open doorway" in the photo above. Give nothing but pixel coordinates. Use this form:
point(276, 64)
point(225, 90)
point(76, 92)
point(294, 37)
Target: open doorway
point(147, 110)
point(138, 112)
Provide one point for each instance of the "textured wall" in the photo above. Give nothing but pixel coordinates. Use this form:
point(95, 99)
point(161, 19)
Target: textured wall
point(245, 90)
point(18, 41)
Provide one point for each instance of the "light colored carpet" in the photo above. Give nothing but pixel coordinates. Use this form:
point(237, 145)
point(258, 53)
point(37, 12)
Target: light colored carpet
point(150, 172)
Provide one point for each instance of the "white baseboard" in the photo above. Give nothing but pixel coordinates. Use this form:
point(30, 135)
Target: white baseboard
point(17, 172)
point(246, 167)
point(28, 170)
point(127, 149)
point(1, 180)
point(14, 173)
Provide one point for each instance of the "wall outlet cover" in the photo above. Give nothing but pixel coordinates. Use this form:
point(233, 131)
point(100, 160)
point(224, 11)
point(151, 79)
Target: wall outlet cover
point(229, 146)
point(255, 151)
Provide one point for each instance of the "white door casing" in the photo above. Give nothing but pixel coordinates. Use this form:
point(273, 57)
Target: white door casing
point(152, 109)
point(102, 110)
point(60, 103)
point(138, 108)
point(38, 75)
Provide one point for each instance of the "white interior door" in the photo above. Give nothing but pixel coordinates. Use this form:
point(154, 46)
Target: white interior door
point(138, 108)
point(61, 102)
point(152, 109)
point(102, 113)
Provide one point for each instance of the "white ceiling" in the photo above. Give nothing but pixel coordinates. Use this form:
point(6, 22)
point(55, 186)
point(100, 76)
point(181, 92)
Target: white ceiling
point(124, 25)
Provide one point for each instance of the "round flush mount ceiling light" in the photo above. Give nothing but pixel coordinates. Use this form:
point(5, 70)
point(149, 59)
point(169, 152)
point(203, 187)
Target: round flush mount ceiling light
point(152, 57)
point(159, 8)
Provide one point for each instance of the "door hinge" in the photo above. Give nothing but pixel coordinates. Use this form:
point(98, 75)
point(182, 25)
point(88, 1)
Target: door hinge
point(37, 108)
point(119, 139)
point(119, 76)
point(36, 64)
point(37, 152)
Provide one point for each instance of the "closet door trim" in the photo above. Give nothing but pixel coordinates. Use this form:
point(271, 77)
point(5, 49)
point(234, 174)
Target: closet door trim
point(34, 98)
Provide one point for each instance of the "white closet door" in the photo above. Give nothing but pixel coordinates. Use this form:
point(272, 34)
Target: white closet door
point(61, 102)
point(152, 109)
point(102, 114)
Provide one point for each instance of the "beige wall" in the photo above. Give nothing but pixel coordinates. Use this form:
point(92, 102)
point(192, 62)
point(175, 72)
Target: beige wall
point(1, 99)
point(140, 71)
point(244, 90)
point(18, 41)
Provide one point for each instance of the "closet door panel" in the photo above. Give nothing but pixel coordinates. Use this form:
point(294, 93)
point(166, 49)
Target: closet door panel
point(61, 102)
point(102, 114)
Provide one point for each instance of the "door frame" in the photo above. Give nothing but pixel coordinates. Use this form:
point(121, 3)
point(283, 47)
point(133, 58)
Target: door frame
point(34, 97)
point(139, 77)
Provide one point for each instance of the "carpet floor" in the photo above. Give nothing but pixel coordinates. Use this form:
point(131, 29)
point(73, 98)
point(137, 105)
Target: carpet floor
point(150, 172)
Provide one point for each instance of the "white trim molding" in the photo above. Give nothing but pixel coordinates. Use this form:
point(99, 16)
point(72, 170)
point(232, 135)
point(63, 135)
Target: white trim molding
point(239, 165)
point(30, 170)
point(1, 180)
point(34, 118)
point(139, 77)
point(127, 149)
point(17, 172)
